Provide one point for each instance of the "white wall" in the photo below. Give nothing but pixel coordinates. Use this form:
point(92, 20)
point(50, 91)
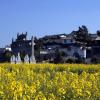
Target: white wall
point(81, 52)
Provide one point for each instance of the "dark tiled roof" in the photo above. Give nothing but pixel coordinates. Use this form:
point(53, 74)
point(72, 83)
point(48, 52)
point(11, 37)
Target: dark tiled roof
point(62, 45)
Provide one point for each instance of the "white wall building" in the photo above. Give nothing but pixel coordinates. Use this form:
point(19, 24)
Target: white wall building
point(74, 51)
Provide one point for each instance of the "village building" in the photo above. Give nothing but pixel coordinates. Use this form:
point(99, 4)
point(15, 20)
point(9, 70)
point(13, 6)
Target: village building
point(96, 47)
point(70, 48)
point(23, 48)
point(65, 44)
point(21, 45)
point(4, 52)
point(78, 44)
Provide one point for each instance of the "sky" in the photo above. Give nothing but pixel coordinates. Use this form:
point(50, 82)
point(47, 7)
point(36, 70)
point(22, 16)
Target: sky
point(46, 17)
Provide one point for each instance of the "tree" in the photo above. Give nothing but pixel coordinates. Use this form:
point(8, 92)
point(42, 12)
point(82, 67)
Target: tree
point(98, 32)
point(82, 34)
point(7, 56)
point(58, 57)
point(37, 47)
point(95, 59)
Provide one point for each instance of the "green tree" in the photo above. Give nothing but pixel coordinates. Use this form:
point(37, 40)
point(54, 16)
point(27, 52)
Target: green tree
point(7, 56)
point(82, 34)
point(58, 57)
point(98, 32)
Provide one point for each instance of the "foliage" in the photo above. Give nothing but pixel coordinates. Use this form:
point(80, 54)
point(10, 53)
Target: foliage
point(58, 57)
point(6, 56)
point(49, 82)
point(98, 32)
point(95, 59)
point(82, 34)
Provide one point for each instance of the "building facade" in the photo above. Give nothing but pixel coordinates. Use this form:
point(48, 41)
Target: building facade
point(21, 45)
point(64, 43)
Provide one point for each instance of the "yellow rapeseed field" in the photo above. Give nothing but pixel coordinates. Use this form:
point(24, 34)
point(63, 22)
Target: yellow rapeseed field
point(49, 82)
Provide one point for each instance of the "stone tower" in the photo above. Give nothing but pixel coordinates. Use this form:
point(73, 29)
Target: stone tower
point(32, 59)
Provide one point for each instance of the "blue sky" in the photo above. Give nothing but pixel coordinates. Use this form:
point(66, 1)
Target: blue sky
point(44, 17)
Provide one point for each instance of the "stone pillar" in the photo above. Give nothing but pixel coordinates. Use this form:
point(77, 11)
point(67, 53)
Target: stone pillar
point(18, 59)
point(32, 58)
point(12, 59)
point(26, 59)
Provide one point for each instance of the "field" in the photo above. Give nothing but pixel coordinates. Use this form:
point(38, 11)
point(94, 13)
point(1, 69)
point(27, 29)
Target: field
point(49, 82)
